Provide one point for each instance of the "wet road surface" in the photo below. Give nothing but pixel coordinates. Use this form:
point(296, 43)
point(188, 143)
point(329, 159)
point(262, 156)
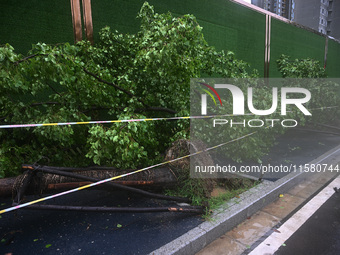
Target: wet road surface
point(59, 232)
point(320, 234)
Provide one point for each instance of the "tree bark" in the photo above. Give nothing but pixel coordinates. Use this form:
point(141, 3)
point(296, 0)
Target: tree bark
point(157, 178)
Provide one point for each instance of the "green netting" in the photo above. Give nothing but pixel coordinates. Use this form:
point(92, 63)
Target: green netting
point(333, 59)
point(25, 22)
point(117, 14)
point(227, 26)
point(294, 42)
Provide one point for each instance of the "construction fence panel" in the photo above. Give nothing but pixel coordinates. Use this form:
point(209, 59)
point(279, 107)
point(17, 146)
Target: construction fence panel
point(295, 42)
point(333, 59)
point(27, 22)
point(226, 25)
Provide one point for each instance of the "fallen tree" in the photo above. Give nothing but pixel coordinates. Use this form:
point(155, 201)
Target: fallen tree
point(50, 179)
point(122, 76)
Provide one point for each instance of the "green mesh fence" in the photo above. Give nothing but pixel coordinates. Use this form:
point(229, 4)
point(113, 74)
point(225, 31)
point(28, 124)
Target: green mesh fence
point(333, 59)
point(295, 42)
point(227, 26)
point(26, 22)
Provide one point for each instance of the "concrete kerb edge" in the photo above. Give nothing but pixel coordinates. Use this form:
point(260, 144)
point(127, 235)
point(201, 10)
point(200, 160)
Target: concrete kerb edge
point(237, 210)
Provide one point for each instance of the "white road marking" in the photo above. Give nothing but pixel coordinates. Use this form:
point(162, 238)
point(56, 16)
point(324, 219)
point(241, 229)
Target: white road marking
point(277, 239)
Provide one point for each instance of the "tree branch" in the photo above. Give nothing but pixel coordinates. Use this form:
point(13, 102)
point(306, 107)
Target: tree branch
point(139, 110)
point(109, 83)
point(156, 109)
point(26, 58)
point(53, 89)
point(37, 104)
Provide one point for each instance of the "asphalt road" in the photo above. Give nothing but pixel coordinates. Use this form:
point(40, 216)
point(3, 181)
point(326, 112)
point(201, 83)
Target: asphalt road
point(319, 235)
point(60, 232)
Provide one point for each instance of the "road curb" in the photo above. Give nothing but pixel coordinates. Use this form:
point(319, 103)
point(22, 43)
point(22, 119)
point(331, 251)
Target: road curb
point(237, 210)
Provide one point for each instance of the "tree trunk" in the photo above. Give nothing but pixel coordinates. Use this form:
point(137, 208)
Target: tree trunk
point(43, 182)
